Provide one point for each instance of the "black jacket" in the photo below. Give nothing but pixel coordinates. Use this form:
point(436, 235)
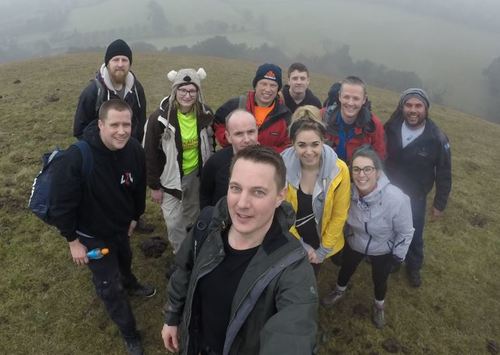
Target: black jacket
point(214, 180)
point(423, 162)
point(309, 99)
point(103, 204)
point(86, 111)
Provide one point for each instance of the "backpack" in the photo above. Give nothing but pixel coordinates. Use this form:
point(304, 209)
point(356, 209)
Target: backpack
point(39, 202)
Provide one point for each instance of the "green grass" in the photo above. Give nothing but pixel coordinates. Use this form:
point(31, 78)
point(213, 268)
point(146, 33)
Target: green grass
point(49, 306)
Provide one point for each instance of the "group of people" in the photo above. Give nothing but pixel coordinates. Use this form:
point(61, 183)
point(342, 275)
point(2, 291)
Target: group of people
point(293, 184)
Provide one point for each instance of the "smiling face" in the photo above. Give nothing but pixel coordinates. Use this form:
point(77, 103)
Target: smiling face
point(299, 82)
point(352, 97)
point(265, 92)
point(186, 96)
point(118, 68)
point(252, 198)
point(414, 112)
point(115, 129)
point(308, 146)
point(364, 175)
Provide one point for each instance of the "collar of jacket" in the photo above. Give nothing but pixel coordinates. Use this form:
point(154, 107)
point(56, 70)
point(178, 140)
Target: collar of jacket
point(328, 169)
point(103, 76)
point(284, 217)
point(286, 93)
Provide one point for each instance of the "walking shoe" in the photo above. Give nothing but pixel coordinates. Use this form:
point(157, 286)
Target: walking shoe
point(378, 317)
point(333, 297)
point(414, 278)
point(143, 227)
point(139, 290)
point(134, 346)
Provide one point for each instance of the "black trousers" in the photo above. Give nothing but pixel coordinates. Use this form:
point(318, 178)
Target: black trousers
point(111, 275)
point(381, 268)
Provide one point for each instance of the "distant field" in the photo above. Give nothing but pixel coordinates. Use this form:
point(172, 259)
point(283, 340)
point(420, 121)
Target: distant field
point(49, 306)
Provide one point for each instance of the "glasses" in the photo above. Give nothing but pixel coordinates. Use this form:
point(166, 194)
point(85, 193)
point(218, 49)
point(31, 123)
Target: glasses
point(368, 170)
point(184, 92)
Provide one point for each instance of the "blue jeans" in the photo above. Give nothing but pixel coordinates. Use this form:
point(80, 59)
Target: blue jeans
point(415, 257)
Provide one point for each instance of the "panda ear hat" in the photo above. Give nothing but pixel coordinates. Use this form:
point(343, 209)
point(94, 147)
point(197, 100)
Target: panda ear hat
point(187, 76)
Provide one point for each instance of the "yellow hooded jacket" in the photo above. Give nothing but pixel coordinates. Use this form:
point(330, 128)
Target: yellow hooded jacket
point(335, 185)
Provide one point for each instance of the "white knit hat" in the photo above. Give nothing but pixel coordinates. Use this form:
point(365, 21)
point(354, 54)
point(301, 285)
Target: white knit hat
point(187, 76)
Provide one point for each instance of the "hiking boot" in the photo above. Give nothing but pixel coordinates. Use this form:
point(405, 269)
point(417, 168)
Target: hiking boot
point(134, 346)
point(139, 290)
point(378, 316)
point(333, 297)
point(143, 227)
point(414, 278)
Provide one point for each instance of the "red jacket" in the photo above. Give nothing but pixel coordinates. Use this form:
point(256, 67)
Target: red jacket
point(367, 130)
point(272, 133)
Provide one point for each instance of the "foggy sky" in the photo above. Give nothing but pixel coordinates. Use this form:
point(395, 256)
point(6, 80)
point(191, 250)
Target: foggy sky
point(447, 43)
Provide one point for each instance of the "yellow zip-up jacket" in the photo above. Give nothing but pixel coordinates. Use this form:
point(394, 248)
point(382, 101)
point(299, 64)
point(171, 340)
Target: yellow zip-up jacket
point(335, 185)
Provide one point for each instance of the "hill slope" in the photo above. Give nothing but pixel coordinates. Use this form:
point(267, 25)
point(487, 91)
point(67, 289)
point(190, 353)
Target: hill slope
point(49, 306)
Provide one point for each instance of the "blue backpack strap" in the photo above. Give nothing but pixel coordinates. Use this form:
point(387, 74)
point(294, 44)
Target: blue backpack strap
point(87, 157)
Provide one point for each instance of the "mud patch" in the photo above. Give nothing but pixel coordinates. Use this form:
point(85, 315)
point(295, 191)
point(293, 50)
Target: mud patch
point(478, 220)
point(360, 310)
point(391, 345)
point(52, 98)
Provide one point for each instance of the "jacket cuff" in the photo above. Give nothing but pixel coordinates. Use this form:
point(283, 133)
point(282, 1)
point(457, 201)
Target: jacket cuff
point(306, 246)
point(70, 236)
point(322, 252)
point(172, 319)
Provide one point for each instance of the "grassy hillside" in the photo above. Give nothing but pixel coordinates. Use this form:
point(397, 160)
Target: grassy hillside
point(48, 305)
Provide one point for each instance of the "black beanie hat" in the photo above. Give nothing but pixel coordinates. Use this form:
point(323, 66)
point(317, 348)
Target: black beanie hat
point(270, 72)
point(118, 47)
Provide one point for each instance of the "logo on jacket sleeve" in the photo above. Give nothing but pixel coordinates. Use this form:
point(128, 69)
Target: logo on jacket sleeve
point(127, 179)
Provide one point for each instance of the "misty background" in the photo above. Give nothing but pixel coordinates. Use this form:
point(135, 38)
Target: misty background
point(451, 47)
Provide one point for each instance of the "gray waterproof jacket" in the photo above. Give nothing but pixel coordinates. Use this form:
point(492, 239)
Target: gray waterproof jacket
point(274, 309)
point(380, 222)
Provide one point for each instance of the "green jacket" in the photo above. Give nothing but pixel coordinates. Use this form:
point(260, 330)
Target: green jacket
point(282, 319)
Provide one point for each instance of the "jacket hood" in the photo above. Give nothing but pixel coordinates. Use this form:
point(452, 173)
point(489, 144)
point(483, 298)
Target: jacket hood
point(328, 169)
point(103, 75)
point(374, 196)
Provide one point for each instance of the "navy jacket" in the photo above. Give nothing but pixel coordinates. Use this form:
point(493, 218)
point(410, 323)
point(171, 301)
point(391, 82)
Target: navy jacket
point(423, 162)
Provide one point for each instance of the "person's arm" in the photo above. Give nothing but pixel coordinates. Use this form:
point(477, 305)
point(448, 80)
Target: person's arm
point(85, 109)
point(338, 201)
point(177, 289)
point(66, 191)
point(443, 175)
point(140, 190)
point(155, 158)
point(378, 142)
point(292, 329)
point(141, 119)
point(207, 183)
point(402, 224)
